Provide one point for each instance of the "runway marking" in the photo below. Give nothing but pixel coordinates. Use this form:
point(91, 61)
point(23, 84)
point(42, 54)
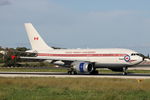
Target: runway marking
point(63, 75)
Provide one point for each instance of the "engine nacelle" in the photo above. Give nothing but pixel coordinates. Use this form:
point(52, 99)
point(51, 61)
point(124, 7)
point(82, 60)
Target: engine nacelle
point(83, 66)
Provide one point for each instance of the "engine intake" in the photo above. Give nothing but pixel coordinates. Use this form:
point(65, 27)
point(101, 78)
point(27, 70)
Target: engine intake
point(83, 66)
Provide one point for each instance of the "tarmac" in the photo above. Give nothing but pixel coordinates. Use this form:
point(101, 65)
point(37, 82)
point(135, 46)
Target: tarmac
point(65, 75)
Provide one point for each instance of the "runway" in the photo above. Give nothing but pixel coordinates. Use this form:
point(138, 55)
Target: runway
point(64, 75)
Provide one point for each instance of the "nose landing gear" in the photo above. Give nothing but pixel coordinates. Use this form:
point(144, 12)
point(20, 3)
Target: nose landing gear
point(125, 70)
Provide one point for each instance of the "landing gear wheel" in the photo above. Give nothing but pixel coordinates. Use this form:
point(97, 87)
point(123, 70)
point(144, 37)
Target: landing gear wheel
point(125, 70)
point(72, 72)
point(124, 73)
point(69, 73)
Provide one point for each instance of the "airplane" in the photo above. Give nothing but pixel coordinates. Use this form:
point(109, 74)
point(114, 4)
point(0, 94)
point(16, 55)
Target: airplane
point(82, 60)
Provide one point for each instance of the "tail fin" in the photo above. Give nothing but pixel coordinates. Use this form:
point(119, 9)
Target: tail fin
point(36, 41)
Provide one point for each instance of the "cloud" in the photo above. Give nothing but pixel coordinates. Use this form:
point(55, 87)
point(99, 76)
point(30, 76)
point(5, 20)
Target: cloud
point(5, 2)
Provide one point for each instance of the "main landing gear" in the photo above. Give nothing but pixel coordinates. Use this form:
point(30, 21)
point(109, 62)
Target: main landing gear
point(125, 70)
point(71, 71)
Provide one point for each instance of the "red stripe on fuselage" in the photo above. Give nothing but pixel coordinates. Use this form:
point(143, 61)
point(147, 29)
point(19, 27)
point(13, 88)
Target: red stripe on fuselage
point(81, 55)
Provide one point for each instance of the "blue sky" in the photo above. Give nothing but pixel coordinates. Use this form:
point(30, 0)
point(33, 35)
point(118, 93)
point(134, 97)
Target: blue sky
point(78, 23)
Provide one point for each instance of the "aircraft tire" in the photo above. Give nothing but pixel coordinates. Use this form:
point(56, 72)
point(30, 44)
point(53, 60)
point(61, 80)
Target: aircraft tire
point(69, 73)
point(125, 73)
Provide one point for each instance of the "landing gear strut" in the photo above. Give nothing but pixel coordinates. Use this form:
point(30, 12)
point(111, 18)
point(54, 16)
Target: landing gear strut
point(125, 70)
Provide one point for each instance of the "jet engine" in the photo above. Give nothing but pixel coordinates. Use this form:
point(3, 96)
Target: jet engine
point(83, 66)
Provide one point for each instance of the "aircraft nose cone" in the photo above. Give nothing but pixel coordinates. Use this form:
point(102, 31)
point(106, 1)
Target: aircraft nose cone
point(141, 59)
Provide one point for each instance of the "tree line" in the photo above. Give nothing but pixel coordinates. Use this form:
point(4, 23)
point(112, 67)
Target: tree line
point(10, 57)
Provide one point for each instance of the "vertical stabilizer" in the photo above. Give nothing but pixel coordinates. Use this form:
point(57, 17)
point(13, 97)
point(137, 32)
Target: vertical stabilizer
point(36, 41)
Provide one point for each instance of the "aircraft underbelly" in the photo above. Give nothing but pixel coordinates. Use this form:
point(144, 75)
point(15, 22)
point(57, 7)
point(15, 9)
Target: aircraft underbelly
point(106, 65)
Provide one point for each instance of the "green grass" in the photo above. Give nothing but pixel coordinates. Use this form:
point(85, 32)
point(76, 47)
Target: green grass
point(1, 64)
point(32, 64)
point(139, 71)
point(3, 69)
point(73, 89)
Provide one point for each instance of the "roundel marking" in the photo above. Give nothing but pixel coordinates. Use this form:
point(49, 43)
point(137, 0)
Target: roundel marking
point(127, 58)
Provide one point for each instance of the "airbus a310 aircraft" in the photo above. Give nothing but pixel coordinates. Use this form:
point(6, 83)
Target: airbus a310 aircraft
point(83, 60)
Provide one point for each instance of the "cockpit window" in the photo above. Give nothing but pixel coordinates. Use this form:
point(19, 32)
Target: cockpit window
point(134, 54)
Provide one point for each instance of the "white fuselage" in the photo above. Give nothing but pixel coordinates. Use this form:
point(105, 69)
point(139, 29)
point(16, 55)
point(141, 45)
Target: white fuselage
point(101, 57)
